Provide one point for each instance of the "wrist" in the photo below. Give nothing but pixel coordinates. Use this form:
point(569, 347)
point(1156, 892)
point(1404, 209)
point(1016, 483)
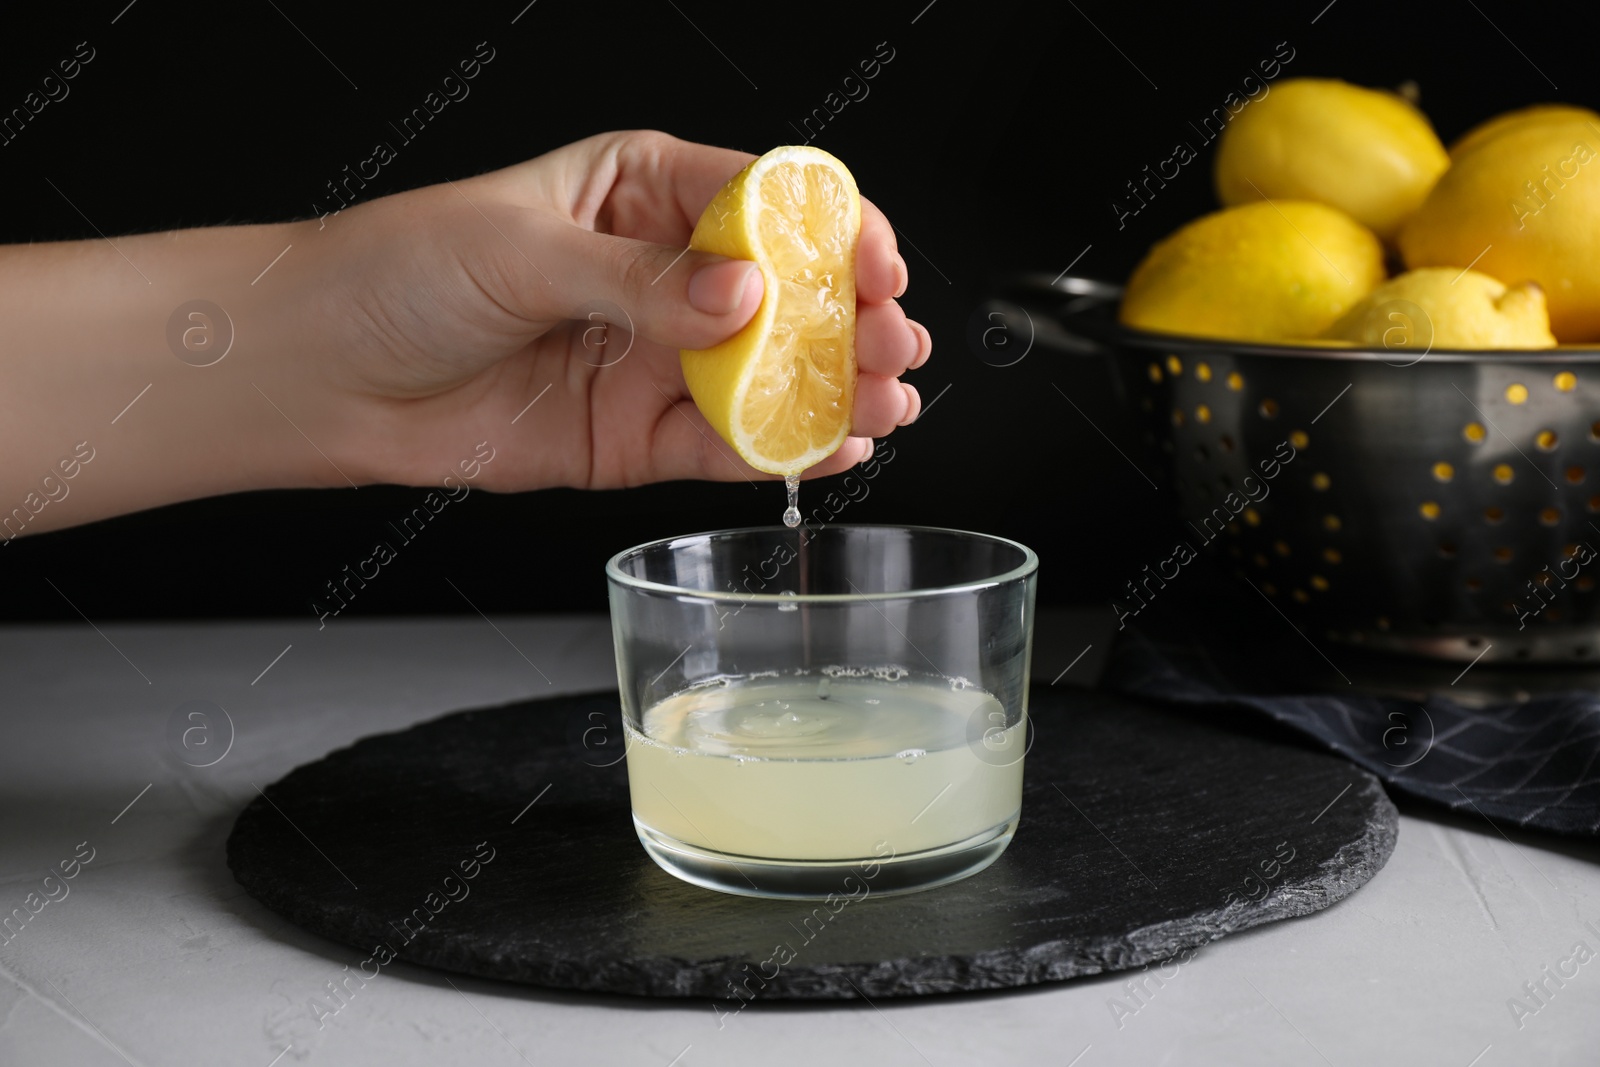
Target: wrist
point(307, 426)
point(243, 381)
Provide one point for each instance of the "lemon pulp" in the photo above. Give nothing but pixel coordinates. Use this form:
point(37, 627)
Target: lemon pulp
point(781, 390)
point(799, 394)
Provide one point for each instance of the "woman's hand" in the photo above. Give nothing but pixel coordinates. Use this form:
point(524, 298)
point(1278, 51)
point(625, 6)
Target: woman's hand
point(446, 311)
point(388, 342)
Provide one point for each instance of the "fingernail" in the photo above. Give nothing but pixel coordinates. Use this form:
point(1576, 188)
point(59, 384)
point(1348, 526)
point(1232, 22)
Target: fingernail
point(902, 273)
point(924, 344)
point(913, 404)
point(872, 447)
point(719, 288)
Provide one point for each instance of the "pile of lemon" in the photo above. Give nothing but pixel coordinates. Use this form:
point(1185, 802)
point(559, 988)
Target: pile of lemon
point(1497, 238)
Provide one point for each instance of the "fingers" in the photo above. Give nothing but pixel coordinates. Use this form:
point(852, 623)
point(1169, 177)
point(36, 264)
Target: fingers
point(674, 297)
point(639, 183)
point(723, 288)
point(685, 174)
point(854, 450)
point(881, 273)
point(882, 403)
point(887, 342)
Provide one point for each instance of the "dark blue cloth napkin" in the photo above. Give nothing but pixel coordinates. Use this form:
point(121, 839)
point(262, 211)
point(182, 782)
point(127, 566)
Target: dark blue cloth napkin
point(1517, 746)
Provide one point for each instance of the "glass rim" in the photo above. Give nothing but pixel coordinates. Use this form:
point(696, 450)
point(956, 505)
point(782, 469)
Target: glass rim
point(614, 573)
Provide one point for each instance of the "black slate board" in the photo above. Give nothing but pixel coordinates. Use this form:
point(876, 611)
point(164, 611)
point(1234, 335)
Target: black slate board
point(1143, 834)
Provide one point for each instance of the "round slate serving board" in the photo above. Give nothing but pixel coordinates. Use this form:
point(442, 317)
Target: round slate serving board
point(498, 842)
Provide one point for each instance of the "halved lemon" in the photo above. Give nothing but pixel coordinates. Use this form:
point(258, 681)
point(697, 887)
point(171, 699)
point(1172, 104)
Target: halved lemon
point(780, 391)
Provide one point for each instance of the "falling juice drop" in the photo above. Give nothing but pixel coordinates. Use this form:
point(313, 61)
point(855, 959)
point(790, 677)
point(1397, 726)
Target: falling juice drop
point(791, 515)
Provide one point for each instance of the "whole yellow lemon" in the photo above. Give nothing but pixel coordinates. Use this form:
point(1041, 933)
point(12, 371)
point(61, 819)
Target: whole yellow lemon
point(1537, 115)
point(1368, 153)
point(1523, 205)
point(1443, 307)
point(1267, 271)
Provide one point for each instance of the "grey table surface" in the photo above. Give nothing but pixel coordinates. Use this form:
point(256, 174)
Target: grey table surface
point(152, 954)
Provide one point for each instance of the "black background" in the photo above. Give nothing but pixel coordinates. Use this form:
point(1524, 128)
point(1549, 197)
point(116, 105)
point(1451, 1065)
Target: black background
point(996, 140)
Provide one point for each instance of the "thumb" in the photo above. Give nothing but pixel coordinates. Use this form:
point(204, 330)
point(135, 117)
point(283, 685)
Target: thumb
point(675, 297)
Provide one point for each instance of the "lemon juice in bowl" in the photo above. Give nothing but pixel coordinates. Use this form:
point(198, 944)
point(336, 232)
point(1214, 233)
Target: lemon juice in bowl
point(868, 721)
point(825, 768)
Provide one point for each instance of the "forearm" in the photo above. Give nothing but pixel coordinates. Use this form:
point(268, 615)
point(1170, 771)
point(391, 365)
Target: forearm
point(104, 413)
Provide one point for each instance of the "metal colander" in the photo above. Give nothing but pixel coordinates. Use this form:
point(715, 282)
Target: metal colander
point(1437, 503)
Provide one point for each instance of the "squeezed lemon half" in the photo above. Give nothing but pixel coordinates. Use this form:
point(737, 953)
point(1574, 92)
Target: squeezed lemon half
point(780, 391)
